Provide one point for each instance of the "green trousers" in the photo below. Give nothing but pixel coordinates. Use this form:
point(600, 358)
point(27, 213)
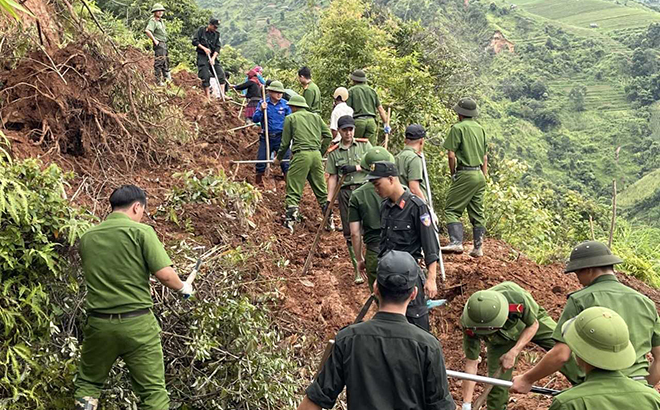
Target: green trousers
point(344, 197)
point(371, 260)
point(137, 341)
point(365, 127)
point(466, 191)
point(305, 166)
point(499, 396)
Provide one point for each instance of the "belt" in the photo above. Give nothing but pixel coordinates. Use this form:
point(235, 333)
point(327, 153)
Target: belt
point(462, 168)
point(364, 116)
point(352, 187)
point(126, 315)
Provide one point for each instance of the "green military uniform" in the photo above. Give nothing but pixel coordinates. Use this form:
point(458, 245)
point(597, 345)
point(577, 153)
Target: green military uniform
point(364, 102)
point(600, 337)
point(521, 312)
point(304, 131)
point(118, 256)
point(161, 60)
point(409, 164)
point(312, 96)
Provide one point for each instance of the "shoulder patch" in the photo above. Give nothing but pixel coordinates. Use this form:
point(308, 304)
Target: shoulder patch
point(362, 139)
point(516, 308)
point(426, 220)
point(332, 148)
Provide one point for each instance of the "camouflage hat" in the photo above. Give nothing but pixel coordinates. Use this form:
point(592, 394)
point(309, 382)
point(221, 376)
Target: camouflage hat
point(276, 86)
point(375, 154)
point(590, 254)
point(298, 101)
point(359, 76)
point(466, 107)
point(485, 312)
point(600, 337)
point(157, 7)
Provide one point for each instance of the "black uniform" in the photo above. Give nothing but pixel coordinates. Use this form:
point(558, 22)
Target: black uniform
point(407, 226)
point(210, 40)
point(385, 364)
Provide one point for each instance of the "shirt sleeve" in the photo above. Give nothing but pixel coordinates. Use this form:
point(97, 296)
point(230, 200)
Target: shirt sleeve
point(258, 114)
point(151, 26)
point(427, 235)
point(330, 166)
point(329, 383)
point(215, 47)
point(334, 119)
point(153, 252)
point(453, 140)
point(415, 172)
point(349, 102)
point(437, 395)
point(354, 209)
point(530, 312)
point(570, 311)
point(286, 138)
point(326, 136)
point(471, 346)
point(655, 339)
point(244, 86)
point(196, 40)
point(556, 405)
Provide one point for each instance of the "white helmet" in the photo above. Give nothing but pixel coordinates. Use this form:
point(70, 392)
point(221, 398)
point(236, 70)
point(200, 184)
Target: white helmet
point(341, 92)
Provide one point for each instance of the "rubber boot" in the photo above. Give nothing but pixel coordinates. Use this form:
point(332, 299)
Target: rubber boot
point(358, 277)
point(86, 403)
point(477, 249)
point(259, 179)
point(291, 217)
point(455, 231)
point(330, 223)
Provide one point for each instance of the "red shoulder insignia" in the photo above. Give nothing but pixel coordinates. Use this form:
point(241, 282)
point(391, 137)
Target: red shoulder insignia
point(362, 139)
point(516, 308)
point(469, 333)
point(402, 203)
point(332, 148)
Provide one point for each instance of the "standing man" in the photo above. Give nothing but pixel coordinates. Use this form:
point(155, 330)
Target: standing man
point(364, 102)
point(278, 109)
point(409, 161)
point(118, 256)
point(207, 43)
point(468, 164)
point(340, 109)
point(308, 136)
point(364, 217)
point(156, 32)
point(599, 338)
point(311, 91)
point(593, 263)
point(406, 225)
point(344, 159)
point(507, 318)
point(385, 363)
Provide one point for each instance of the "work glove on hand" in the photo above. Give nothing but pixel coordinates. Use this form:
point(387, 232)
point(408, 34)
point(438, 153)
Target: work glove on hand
point(186, 290)
point(467, 406)
point(347, 169)
point(387, 129)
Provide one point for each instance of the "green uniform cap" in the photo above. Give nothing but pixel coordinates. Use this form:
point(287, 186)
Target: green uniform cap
point(375, 154)
point(466, 107)
point(359, 76)
point(600, 337)
point(157, 7)
point(298, 101)
point(590, 254)
point(276, 86)
point(485, 312)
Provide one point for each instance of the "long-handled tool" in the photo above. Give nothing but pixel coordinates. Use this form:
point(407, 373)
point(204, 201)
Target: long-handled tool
point(261, 161)
point(265, 126)
point(498, 382)
point(429, 198)
point(220, 86)
point(483, 397)
point(326, 215)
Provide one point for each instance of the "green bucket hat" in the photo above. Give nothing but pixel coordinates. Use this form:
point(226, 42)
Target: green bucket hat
point(466, 107)
point(298, 101)
point(359, 76)
point(590, 254)
point(485, 312)
point(600, 337)
point(276, 86)
point(157, 7)
point(375, 154)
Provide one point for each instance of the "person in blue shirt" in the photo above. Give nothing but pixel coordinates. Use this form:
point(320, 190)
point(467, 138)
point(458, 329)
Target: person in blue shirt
point(277, 110)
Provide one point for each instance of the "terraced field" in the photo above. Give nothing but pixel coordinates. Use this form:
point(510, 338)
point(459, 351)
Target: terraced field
point(600, 96)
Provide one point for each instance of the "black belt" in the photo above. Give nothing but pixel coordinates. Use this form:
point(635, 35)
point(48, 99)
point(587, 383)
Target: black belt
point(126, 315)
point(352, 187)
point(461, 168)
point(364, 116)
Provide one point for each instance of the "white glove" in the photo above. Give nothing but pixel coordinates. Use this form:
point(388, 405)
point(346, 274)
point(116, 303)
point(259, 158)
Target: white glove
point(467, 406)
point(186, 290)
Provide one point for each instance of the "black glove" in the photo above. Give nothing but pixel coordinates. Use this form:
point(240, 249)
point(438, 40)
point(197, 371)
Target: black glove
point(347, 169)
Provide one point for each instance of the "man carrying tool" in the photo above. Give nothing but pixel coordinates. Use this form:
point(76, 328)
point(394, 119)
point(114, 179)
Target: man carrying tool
point(599, 338)
point(277, 109)
point(118, 256)
point(311, 91)
point(344, 158)
point(364, 102)
point(507, 318)
point(207, 43)
point(309, 136)
point(593, 263)
point(340, 109)
point(406, 225)
point(156, 32)
point(468, 164)
point(364, 217)
point(385, 363)
point(409, 161)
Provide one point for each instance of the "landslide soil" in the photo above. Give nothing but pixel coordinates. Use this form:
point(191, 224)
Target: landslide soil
point(313, 307)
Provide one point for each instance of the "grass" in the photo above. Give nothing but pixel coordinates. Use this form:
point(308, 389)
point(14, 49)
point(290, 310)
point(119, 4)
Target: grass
point(641, 190)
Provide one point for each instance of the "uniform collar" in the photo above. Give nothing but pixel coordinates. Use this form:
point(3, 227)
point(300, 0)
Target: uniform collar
point(599, 374)
point(341, 146)
point(390, 317)
point(604, 278)
point(118, 216)
point(401, 202)
point(272, 103)
point(409, 148)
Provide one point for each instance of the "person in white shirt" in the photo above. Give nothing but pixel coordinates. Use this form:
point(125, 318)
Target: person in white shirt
point(340, 109)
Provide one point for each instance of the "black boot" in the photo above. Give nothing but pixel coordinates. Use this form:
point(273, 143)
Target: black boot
point(330, 223)
point(259, 179)
point(291, 217)
point(455, 230)
point(477, 250)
